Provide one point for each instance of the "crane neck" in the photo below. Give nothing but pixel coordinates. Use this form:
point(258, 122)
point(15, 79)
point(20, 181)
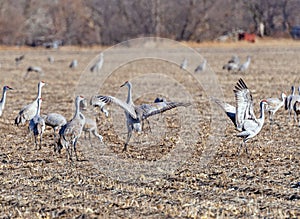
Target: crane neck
point(262, 111)
point(38, 110)
point(39, 95)
point(129, 97)
point(77, 108)
point(293, 91)
point(3, 96)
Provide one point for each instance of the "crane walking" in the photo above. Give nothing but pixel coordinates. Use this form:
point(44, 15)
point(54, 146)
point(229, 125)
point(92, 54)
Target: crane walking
point(70, 132)
point(29, 111)
point(3, 99)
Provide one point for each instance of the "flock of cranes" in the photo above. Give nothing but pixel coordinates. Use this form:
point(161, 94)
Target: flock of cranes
point(66, 133)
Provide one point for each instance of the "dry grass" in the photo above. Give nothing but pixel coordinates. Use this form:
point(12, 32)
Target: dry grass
point(43, 184)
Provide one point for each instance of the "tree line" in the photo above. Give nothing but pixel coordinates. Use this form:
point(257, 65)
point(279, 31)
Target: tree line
point(107, 22)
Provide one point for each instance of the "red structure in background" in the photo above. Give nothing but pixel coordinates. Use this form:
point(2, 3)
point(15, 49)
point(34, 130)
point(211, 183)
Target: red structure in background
point(250, 37)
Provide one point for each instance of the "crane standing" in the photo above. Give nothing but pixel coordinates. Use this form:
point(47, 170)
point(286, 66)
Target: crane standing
point(37, 125)
point(98, 65)
point(274, 104)
point(70, 132)
point(29, 111)
point(3, 99)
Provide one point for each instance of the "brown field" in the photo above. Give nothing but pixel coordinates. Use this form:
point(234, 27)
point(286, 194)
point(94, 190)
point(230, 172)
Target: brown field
point(43, 184)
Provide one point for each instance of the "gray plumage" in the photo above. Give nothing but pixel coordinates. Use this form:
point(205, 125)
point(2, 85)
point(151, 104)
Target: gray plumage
point(242, 115)
point(232, 64)
point(70, 132)
point(73, 64)
point(3, 99)
point(296, 108)
point(243, 67)
point(95, 102)
point(184, 64)
point(98, 65)
point(29, 111)
point(135, 114)
point(274, 104)
point(201, 67)
point(55, 121)
point(36, 69)
point(287, 104)
point(37, 125)
point(19, 59)
point(90, 126)
point(51, 59)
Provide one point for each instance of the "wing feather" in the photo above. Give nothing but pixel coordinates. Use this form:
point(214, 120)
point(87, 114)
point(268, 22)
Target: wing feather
point(148, 110)
point(244, 104)
point(227, 108)
point(128, 108)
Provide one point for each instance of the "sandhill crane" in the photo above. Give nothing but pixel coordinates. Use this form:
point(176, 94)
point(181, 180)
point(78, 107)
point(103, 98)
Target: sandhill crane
point(274, 104)
point(36, 69)
point(37, 124)
point(19, 59)
point(90, 124)
point(97, 103)
point(294, 99)
point(287, 103)
point(243, 67)
point(296, 108)
point(51, 59)
point(98, 65)
point(71, 131)
point(232, 64)
point(73, 64)
point(135, 114)
point(29, 111)
point(242, 115)
point(184, 64)
point(54, 120)
point(3, 99)
point(201, 67)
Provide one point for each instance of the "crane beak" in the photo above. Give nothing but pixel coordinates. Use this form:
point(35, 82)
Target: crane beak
point(124, 84)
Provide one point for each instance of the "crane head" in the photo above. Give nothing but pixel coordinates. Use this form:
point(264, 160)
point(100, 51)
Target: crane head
point(264, 101)
point(126, 83)
point(8, 88)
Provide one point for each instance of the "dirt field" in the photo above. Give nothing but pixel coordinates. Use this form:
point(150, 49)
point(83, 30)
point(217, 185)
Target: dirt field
point(43, 184)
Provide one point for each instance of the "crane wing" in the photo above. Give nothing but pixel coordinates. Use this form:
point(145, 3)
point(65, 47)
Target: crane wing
point(148, 110)
point(244, 104)
point(227, 108)
point(128, 108)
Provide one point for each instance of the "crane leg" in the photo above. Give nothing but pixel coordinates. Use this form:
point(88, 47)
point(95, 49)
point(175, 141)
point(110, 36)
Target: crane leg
point(74, 147)
point(128, 138)
point(97, 135)
point(149, 125)
point(41, 138)
point(243, 144)
point(69, 151)
point(35, 141)
point(90, 140)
